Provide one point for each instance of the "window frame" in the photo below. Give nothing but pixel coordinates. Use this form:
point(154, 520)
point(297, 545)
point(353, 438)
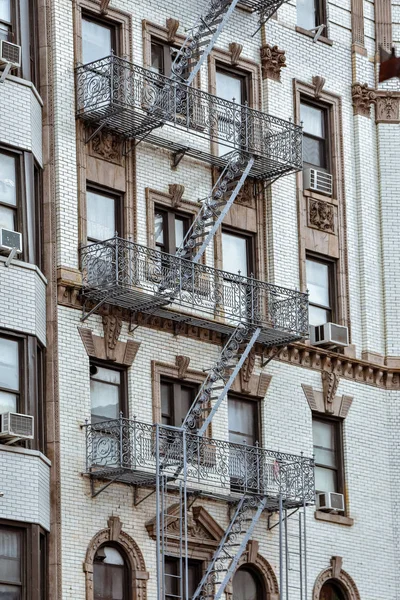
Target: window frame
point(123, 386)
point(118, 208)
point(18, 158)
point(332, 282)
point(327, 130)
point(169, 217)
point(256, 416)
point(197, 563)
point(167, 59)
point(339, 450)
point(103, 22)
point(260, 583)
point(250, 248)
point(243, 76)
point(320, 15)
point(127, 569)
point(12, 24)
point(22, 370)
point(175, 397)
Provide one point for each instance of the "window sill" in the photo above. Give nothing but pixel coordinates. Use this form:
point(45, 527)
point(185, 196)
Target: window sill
point(333, 518)
point(308, 33)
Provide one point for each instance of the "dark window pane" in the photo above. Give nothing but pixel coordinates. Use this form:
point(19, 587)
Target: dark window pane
point(10, 592)
point(159, 228)
point(166, 408)
point(96, 41)
point(306, 14)
point(157, 58)
point(234, 253)
point(10, 556)
point(8, 180)
point(245, 586)
point(9, 364)
point(330, 591)
point(109, 574)
point(101, 223)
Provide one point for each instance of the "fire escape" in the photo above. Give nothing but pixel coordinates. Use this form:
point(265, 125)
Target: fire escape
point(138, 105)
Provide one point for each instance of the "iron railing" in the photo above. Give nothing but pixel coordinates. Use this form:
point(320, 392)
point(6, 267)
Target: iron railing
point(132, 276)
point(125, 450)
point(133, 101)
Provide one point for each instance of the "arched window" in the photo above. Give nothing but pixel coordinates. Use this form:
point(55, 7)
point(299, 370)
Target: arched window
point(247, 585)
point(110, 574)
point(331, 591)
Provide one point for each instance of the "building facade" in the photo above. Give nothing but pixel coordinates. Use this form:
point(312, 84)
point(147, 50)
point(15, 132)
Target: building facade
point(170, 233)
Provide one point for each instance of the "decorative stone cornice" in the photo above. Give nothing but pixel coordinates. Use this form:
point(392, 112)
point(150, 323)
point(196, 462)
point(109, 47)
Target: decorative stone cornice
point(363, 96)
point(272, 62)
point(300, 354)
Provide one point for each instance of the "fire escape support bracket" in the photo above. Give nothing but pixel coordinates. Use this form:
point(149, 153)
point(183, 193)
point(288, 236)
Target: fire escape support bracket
point(94, 492)
point(95, 132)
point(177, 157)
point(86, 315)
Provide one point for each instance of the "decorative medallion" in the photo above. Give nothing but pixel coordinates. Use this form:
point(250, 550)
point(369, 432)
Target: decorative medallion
point(107, 146)
point(388, 108)
point(321, 215)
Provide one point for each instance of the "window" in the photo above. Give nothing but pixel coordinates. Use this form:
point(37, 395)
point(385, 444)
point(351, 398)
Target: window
point(107, 392)
point(237, 253)
point(243, 421)
point(10, 384)
point(327, 436)
point(110, 574)
point(8, 190)
point(321, 287)
point(6, 18)
point(233, 86)
point(99, 39)
point(330, 591)
point(247, 585)
point(310, 13)
point(176, 399)
point(315, 135)
point(103, 211)
point(170, 229)
point(11, 568)
point(172, 578)
point(162, 57)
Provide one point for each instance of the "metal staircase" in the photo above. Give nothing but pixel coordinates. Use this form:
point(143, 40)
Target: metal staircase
point(221, 377)
point(215, 207)
point(226, 557)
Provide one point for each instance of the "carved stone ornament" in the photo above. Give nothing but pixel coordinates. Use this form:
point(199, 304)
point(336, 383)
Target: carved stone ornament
point(321, 215)
point(176, 192)
point(246, 195)
point(137, 567)
point(363, 97)
point(104, 6)
point(172, 26)
point(318, 83)
point(182, 362)
point(235, 49)
point(247, 370)
point(106, 145)
point(123, 353)
point(272, 62)
point(335, 573)
point(330, 383)
point(388, 108)
point(112, 328)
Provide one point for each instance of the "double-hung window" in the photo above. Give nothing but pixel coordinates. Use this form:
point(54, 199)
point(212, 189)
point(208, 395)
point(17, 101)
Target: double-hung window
point(176, 399)
point(170, 228)
point(103, 213)
point(237, 253)
point(321, 288)
point(107, 392)
point(327, 436)
point(233, 86)
point(6, 19)
point(315, 136)
point(11, 564)
point(99, 39)
point(310, 13)
point(173, 579)
point(10, 378)
point(9, 170)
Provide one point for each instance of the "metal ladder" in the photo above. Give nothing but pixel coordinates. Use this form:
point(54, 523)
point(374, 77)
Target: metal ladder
point(204, 34)
point(171, 520)
point(220, 377)
point(294, 559)
point(223, 564)
point(215, 207)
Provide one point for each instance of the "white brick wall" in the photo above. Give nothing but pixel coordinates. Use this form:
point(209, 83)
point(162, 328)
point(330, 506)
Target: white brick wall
point(23, 298)
point(25, 484)
point(21, 116)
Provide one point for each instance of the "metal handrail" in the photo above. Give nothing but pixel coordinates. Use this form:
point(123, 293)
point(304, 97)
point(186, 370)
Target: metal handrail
point(128, 445)
point(118, 268)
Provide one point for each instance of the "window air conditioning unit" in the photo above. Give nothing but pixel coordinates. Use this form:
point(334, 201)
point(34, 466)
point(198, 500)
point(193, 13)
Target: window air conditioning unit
point(317, 181)
point(10, 240)
point(329, 334)
point(330, 501)
point(10, 54)
point(15, 427)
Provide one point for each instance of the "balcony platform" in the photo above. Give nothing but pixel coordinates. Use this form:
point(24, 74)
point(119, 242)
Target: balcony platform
point(136, 453)
point(137, 103)
point(121, 273)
